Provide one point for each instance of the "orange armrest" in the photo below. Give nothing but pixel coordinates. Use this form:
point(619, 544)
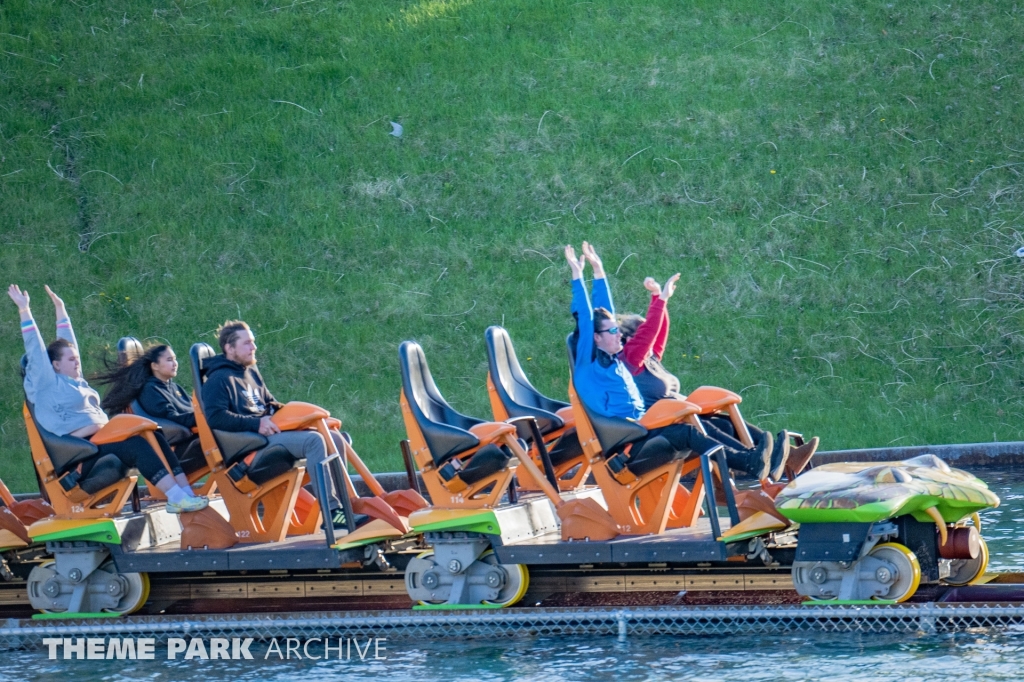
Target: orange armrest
point(666, 412)
point(334, 424)
point(121, 427)
point(712, 398)
point(298, 415)
point(488, 432)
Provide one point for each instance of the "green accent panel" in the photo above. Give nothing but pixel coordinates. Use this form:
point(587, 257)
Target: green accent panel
point(454, 607)
point(57, 616)
point(101, 531)
point(849, 602)
point(866, 513)
point(484, 522)
point(357, 543)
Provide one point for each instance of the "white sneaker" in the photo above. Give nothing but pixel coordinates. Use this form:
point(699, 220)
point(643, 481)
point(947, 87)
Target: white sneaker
point(188, 505)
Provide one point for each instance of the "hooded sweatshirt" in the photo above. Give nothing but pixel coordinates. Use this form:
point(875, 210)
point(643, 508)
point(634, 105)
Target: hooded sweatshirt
point(62, 404)
point(235, 396)
point(167, 400)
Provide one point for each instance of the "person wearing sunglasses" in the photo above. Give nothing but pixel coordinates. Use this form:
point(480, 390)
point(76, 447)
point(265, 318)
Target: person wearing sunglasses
point(606, 385)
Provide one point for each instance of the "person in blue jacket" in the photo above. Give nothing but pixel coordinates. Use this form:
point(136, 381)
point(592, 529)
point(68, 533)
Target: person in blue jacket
point(605, 384)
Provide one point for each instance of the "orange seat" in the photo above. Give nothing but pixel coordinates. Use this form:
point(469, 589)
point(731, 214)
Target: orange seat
point(649, 502)
point(105, 490)
point(713, 400)
point(465, 462)
point(512, 395)
point(260, 484)
point(196, 470)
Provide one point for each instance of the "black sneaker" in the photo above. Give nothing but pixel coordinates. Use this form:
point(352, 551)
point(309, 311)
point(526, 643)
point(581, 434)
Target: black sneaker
point(754, 461)
point(780, 455)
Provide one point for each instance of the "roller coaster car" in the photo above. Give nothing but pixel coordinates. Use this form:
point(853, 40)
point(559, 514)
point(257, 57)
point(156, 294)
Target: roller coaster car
point(874, 531)
point(76, 486)
point(641, 500)
point(268, 477)
point(260, 483)
point(513, 396)
point(466, 463)
point(192, 461)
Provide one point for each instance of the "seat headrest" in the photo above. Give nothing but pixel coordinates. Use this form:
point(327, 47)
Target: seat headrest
point(23, 368)
point(570, 343)
point(129, 349)
point(197, 354)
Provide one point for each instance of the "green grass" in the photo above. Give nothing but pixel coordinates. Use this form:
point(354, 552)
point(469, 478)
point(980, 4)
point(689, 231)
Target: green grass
point(839, 186)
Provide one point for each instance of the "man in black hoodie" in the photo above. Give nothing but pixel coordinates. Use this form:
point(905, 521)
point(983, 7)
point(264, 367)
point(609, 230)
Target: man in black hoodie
point(236, 399)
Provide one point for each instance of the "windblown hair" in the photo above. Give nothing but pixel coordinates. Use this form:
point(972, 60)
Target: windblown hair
point(628, 324)
point(601, 315)
point(126, 381)
point(55, 351)
point(227, 332)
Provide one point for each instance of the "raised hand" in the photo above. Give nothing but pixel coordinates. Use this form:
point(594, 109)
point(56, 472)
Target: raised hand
point(670, 287)
point(593, 259)
point(575, 264)
point(19, 297)
point(57, 302)
point(652, 286)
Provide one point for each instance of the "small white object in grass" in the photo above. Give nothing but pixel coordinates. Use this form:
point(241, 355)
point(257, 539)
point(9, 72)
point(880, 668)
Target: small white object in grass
point(1019, 252)
point(396, 129)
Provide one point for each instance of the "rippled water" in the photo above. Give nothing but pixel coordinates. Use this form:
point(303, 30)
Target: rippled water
point(980, 655)
point(989, 655)
point(1002, 526)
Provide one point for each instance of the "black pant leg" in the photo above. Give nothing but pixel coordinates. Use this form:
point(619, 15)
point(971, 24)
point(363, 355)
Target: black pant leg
point(722, 437)
point(136, 452)
point(724, 424)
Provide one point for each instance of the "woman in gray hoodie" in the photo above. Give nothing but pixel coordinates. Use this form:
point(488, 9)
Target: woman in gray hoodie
point(66, 405)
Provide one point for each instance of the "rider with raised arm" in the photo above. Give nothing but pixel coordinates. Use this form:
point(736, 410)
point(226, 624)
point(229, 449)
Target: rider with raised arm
point(66, 405)
point(644, 341)
point(606, 385)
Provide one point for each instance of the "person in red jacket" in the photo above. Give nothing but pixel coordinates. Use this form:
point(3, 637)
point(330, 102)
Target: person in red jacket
point(644, 341)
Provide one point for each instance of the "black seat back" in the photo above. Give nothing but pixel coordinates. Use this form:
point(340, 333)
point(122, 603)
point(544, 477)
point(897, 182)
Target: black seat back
point(232, 445)
point(66, 452)
point(129, 349)
point(445, 430)
point(173, 431)
point(515, 391)
point(613, 433)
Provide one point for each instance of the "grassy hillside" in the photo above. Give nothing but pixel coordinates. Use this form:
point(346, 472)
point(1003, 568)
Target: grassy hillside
point(838, 184)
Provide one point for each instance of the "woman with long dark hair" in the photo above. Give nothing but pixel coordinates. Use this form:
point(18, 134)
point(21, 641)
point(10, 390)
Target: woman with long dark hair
point(643, 346)
point(149, 379)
